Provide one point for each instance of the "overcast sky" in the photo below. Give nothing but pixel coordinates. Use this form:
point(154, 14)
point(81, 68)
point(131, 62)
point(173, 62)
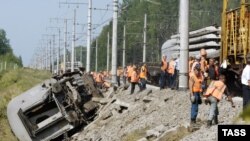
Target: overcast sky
point(25, 21)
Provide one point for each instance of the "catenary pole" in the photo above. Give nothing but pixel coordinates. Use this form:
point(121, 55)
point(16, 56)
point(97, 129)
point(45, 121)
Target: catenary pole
point(89, 36)
point(58, 53)
point(114, 43)
point(144, 38)
point(73, 43)
point(96, 55)
point(108, 53)
point(183, 29)
point(53, 53)
point(65, 46)
point(50, 56)
point(124, 47)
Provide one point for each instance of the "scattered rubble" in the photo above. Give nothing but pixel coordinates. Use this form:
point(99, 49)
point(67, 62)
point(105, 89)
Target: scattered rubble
point(154, 114)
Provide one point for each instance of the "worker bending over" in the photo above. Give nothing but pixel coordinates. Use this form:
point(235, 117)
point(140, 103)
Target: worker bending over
point(213, 95)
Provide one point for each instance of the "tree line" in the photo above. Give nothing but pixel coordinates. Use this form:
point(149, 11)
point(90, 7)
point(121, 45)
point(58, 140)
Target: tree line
point(6, 53)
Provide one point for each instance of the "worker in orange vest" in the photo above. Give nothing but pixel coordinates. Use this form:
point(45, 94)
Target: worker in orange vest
point(118, 76)
point(124, 75)
point(204, 64)
point(99, 80)
point(195, 62)
point(171, 71)
point(164, 66)
point(134, 80)
point(213, 95)
point(195, 81)
point(190, 64)
point(129, 72)
point(143, 76)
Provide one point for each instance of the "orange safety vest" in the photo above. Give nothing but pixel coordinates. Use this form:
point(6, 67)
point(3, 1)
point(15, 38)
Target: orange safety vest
point(128, 67)
point(143, 72)
point(130, 70)
point(190, 65)
point(171, 67)
point(203, 65)
point(99, 78)
point(164, 65)
point(94, 75)
point(197, 82)
point(216, 89)
point(134, 76)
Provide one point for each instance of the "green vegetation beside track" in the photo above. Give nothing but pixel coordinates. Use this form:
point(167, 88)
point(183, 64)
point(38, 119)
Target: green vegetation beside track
point(13, 83)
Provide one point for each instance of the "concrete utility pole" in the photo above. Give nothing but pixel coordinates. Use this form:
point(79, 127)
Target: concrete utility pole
point(144, 38)
point(183, 28)
point(89, 36)
point(53, 53)
point(124, 47)
point(50, 55)
point(58, 53)
point(96, 55)
point(114, 43)
point(46, 56)
point(43, 56)
point(108, 53)
point(65, 39)
point(65, 46)
point(73, 43)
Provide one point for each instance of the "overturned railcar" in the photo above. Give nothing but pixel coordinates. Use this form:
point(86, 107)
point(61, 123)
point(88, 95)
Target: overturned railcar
point(54, 110)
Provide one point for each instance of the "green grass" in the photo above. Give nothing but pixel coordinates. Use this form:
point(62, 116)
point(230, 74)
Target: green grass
point(246, 114)
point(13, 83)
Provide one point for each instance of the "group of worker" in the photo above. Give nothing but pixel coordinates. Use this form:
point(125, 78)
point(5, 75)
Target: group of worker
point(216, 88)
point(100, 79)
point(206, 83)
point(169, 73)
point(136, 76)
point(132, 75)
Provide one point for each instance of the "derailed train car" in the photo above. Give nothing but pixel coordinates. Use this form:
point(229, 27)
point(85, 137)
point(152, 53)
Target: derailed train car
point(55, 109)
